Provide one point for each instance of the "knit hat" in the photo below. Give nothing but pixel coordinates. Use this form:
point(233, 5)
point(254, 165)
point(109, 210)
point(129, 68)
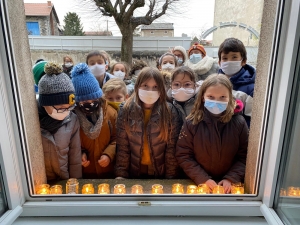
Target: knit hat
point(182, 50)
point(38, 71)
point(199, 47)
point(85, 83)
point(55, 87)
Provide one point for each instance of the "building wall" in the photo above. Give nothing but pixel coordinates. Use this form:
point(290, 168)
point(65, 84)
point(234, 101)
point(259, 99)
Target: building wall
point(157, 33)
point(55, 25)
point(248, 12)
point(44, 24)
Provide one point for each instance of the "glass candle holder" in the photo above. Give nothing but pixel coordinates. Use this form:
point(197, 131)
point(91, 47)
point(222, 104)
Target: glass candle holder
point(282, 192)
point(191, 189)
point(72, 186)
point(218, 190)
point(237, 188)
point(177, 189)
point(88, 189)
point(56, 190)
point(157, 189)
point(103, 188)
point(137, 189)
point(43, 189)
point(119, 189)
point(202, 189)
point(293, 191)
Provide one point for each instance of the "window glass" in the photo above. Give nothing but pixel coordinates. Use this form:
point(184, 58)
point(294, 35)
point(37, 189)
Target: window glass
point(33, 28)
point(3, 200)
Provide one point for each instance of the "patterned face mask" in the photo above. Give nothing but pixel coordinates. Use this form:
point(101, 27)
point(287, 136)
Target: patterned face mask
point(89, 107)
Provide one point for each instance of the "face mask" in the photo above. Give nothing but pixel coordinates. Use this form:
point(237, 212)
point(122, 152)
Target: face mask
point(98, 70)
point(180, 61)
point(195, 58)
point(231, 67)
point(119, 74)
point(59, 116)
point(168, 66)
point(68, 65)
point(215, 107)
point(89, 108)
point(148, 97)
point(115, 105)
point(136, 73)
point(183, 94)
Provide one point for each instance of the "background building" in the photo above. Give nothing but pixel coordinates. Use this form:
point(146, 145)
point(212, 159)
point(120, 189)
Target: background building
point(157, 30)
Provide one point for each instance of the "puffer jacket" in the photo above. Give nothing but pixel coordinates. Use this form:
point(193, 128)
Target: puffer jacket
point(186, 109)
point(130, 144)
point(213, 150)
point(62, 151)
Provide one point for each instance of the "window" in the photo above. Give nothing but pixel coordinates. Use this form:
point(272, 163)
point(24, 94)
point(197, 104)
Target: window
point(33, 28)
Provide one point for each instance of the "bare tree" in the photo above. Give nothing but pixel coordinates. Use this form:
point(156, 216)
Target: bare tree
point(123, 13)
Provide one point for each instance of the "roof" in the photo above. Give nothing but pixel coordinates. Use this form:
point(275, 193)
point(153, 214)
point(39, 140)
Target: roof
point(158, 26)
point(40, 9)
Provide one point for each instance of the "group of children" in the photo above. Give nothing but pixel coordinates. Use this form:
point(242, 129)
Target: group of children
point(95, 125)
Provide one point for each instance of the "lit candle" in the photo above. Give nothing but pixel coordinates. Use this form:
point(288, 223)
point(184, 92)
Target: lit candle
point(72, 186)
point(293, 191)
point(88, 189)
point(56, 190)
point(237, 188)
point(137, 189)
point(191, 189)
point(177, 189)
point(202, 189)
point(103, 189)
point(218, 190)
point(157, 189)
point(43, 189)
point(119, 189)
point(282, 192)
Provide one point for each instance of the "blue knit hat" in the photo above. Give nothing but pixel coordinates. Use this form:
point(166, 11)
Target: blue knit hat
point(85, 84)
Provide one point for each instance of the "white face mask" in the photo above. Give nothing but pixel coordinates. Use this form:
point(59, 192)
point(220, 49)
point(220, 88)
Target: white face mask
point(231, 67)
point(97, 70)
point(119, 74)
point(136, 73)
point(148, 97)
point(183, 94)
point(68, 65)
point(59, 116)
point(167, 66)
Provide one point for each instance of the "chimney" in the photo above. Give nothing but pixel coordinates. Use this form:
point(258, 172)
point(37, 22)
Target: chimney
point(49, 3)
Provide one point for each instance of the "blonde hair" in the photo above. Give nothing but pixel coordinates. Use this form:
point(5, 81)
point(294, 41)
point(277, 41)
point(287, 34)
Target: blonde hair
point(197, 112)
point(113, 85)
point(67, 56)
point(165, 115)
point(122, 63)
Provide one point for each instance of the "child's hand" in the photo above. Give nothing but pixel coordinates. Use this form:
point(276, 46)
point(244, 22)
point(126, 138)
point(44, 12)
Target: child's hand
point(104, 161)
point(211, 184)
point(84, 161)
point(120, 178)
point(227, 185)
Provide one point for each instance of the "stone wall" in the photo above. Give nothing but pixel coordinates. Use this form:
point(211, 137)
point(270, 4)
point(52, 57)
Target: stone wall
point(43, 23)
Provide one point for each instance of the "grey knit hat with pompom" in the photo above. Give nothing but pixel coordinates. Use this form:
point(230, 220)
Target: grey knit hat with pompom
point(55, 87)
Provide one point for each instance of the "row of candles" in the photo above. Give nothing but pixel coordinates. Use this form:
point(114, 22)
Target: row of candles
point(72, 187)
point(291, 191)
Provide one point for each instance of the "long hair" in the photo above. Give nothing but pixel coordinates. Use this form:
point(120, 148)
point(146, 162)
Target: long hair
point(197, 112)
point(146, 74)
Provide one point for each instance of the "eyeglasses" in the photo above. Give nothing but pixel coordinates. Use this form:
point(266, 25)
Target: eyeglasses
point(61, 110)
point(178, 85)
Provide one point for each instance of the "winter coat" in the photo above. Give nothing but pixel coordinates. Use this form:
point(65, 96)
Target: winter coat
point(62, 151)
point(213, 150)
point(130, 144)
point(204, 67)
point(104, 144)
point(67, 70)
point(186, 109)
point(243, 88)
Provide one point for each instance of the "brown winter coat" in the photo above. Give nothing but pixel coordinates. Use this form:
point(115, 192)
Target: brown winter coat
point(130, 144)
point(213, 150)
point(104, 144)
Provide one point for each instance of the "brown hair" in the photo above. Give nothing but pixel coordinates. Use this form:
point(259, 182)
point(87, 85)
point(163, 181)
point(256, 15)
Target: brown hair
point(67, 56)
point(170, 54)
point(197, 112)
point(146, 74)
point(122, 63)
point(232, 45)
point(186, 71)
point(94, 53)
point(114, 85)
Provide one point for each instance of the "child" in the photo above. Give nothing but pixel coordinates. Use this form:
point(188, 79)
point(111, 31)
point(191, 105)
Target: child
point(38, 72)
point(97, 125)
point(180, 54)
point(212, 145)
point(115, 92)
point(68, 65)
point(107, 59)
point(148, 129)
point(59, 126)
point(167, 61)
point(121, 70)
point(200, 63)
point(137, 66)
point(232, 59)
point(97, 64)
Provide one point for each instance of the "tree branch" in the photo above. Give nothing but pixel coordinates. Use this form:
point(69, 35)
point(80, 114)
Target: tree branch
point(106, 7)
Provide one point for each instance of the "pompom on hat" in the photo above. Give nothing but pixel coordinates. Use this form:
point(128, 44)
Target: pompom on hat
point(55, 87)
point(198, 47)
point(38, 71)
point(85, 83)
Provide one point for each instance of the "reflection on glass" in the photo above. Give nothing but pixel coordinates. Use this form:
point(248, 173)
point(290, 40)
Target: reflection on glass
point(3, 201)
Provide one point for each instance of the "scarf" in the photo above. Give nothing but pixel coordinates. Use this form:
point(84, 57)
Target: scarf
point(91, 130)
point(203, 66)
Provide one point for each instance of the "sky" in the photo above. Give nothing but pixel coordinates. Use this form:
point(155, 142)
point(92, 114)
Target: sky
point(193, 17)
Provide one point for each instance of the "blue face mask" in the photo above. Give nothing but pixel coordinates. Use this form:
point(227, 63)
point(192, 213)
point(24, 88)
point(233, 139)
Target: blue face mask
point(195, 58)
point(215, 107)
